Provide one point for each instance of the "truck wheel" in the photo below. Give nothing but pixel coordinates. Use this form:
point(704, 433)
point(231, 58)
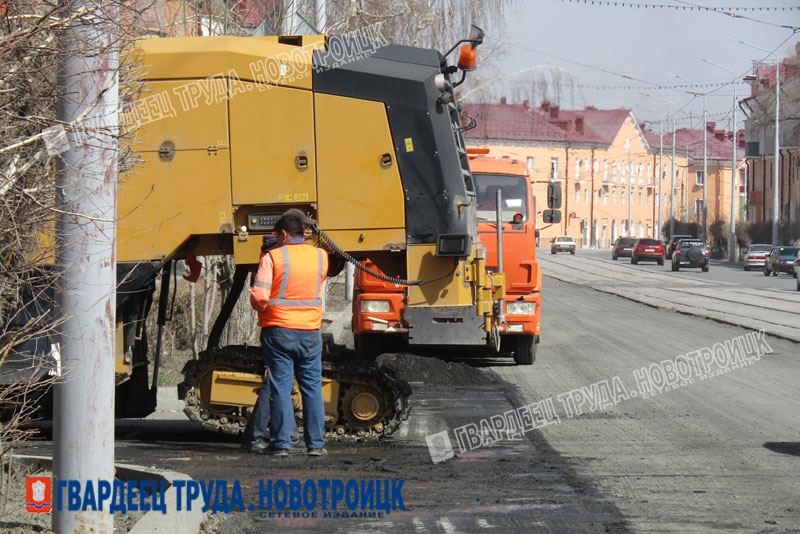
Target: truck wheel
point(368, 346)
point(525, 350)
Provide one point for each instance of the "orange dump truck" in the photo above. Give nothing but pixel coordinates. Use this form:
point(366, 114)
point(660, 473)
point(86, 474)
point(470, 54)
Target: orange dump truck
point(383, 318)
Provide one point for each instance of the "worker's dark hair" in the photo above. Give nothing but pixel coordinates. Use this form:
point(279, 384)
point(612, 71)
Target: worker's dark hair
point(292, 221)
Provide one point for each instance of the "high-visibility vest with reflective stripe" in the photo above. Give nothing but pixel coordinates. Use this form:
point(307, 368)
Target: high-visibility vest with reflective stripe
point(295, 299)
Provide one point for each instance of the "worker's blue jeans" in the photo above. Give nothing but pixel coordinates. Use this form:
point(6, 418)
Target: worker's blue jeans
point(294, 354)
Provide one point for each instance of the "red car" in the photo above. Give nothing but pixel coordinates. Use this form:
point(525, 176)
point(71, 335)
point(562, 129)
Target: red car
point(648, 249)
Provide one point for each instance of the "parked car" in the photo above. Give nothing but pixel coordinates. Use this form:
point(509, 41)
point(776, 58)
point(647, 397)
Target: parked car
point(622, 248)
point(648, 249)
point(756, 255)
point(797, 270)
point(673, 241)
point(780, 260)
point(690, 253)
point(563, 243)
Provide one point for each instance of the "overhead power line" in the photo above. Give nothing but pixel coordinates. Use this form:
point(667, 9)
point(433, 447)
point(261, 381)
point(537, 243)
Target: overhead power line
point(730, 11)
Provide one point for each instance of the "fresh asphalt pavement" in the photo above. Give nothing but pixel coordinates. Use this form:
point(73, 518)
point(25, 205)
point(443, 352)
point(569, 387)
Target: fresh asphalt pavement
point(719, 271)
point(725, 293)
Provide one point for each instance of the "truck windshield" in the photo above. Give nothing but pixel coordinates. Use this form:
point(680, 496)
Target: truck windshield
point(514, 194)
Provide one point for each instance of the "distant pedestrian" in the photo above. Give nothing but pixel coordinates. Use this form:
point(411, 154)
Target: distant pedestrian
point(287, 294)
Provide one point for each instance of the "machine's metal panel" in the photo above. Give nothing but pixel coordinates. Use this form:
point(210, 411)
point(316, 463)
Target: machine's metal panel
point(424, 122)
point(357, 188)
point(159, 208)
point(369, 239)
point(458, 325)
point(272, 145)
point(449, 287)
point(173, 116)
point(275, 60)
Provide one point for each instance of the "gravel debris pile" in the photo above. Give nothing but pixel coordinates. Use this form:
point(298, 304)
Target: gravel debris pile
point(435, 372)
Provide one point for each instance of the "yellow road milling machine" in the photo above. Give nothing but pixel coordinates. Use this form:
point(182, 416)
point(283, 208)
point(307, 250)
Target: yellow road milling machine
point(364, 137)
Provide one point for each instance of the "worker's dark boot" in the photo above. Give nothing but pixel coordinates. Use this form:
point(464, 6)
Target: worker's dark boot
point(256, 446)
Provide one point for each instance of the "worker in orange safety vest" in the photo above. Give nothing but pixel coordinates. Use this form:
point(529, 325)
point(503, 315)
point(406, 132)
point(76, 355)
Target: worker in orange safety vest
point(287, 294)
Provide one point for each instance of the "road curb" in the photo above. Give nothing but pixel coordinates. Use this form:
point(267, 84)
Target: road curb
point(153, 522)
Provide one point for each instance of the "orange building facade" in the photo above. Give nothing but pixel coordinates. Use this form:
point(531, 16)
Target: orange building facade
point(607, 166)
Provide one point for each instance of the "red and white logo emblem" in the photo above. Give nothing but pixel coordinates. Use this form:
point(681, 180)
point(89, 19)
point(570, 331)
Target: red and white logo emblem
point(37, 494)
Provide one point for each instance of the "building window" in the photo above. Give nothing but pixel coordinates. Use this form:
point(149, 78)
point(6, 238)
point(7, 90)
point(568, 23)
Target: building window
point(698, 177)
point(698, 206)
point(586, 165)
point(640, 199)
point(577, 196)
point(623, 172)
point(553, 168)
point(586, 196)
point(649, 198)
point(614, 172)
point(658, 201)
point(605, 198)
point(530, 163)
point(595, 195)
point(605, 170)
point(649, 173)
point(594, 165)
point(622, 196)
point(614, 198)
point(577, 168)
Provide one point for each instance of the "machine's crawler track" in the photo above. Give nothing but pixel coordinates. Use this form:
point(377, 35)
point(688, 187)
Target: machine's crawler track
point(371, 401)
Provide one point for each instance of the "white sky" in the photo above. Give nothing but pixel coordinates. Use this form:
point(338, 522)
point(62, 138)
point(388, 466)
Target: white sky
point(649, 44)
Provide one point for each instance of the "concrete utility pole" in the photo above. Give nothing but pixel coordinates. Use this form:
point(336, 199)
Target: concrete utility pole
point(672, 185)
point(705, 168)
point(734, 174)
point(629, 191)
point(776, 198)
point(289, 23)
point(86, 181)
point(660, 175)
point(320, 16)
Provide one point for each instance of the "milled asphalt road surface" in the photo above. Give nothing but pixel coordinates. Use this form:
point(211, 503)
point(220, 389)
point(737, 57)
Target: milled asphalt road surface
point(720, 454)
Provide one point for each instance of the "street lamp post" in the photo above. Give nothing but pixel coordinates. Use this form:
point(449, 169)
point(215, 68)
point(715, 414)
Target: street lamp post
point(776, 199)
point(672, 175)
point(705, 160)
point(734, 184)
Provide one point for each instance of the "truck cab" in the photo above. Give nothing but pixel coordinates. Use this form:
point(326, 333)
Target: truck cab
point(379, 307)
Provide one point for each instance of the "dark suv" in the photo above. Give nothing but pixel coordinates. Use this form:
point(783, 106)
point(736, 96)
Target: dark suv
point(674, 241)
point(690, 253)
point(622, 248)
